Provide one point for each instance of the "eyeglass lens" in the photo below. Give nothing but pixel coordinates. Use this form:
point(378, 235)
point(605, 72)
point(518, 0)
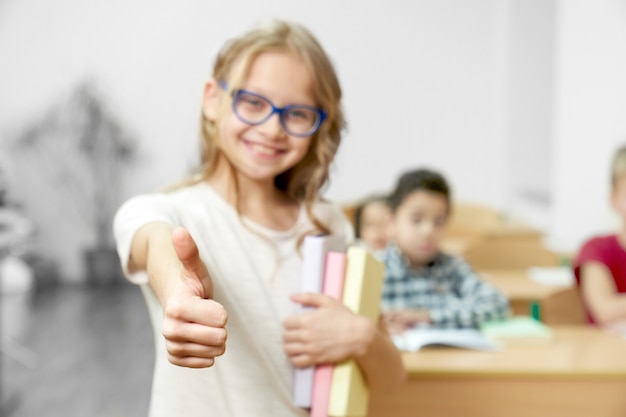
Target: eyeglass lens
point(255, 109)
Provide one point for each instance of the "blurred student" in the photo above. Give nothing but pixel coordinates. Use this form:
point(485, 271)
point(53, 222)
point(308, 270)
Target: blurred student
point(371, 222)
point(423, 285)
point(600, 265)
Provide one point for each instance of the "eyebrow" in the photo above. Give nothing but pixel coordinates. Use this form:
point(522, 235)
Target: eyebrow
point(262, 92)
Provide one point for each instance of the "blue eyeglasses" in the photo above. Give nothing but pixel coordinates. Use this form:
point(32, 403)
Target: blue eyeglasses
point(296, 119)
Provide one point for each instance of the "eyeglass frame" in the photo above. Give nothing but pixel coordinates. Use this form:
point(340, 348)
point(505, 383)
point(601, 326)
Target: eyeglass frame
point(321, 114)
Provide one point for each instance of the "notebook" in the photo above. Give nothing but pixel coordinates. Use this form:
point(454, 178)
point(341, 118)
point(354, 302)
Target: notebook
point(417, 338)
point(517, 330)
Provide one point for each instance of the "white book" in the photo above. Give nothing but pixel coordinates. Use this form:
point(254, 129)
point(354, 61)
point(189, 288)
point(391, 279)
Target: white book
point(314, 250)
point(557, 275)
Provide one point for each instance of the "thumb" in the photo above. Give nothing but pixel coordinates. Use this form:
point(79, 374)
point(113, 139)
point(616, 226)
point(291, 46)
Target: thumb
point(194, 272)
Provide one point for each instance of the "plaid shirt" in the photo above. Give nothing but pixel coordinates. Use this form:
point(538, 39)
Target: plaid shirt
point(447, 287)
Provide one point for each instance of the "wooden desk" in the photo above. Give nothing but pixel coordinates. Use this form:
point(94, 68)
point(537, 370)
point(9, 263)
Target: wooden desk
point(505, 246)
point(581, 374)
point(558, 304)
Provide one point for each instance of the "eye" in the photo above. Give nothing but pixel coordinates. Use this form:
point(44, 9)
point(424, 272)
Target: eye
point(416, 218)
point(251, 102)
point(440, 222)
point(300, 114)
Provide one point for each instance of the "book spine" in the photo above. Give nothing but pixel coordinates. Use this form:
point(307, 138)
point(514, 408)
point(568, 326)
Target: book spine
point(314, 249)
point(349, 395)
point(333, 287)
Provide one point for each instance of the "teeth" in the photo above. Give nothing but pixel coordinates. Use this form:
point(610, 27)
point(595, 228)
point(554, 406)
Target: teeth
point(263, 149)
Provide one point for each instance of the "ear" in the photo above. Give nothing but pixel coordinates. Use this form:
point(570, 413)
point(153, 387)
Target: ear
point(210, 100)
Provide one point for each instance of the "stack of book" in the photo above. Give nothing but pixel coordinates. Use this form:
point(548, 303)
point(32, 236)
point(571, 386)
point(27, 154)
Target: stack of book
point(355, 277)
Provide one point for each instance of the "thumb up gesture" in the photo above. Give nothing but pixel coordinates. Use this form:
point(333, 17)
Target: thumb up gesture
point(193, 323)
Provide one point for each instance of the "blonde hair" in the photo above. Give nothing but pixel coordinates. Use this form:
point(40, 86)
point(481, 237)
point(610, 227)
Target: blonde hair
point(618, 166)
point(304, 181)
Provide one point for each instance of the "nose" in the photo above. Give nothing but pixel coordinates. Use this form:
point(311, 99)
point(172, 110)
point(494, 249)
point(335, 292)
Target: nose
point(427, 228)
point(272, 128)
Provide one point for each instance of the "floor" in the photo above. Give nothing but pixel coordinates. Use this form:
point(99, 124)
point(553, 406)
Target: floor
point(76, 351)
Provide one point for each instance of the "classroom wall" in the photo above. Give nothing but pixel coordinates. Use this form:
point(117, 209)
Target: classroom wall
point(528, 120)
point(478, 90)
point(589, 117)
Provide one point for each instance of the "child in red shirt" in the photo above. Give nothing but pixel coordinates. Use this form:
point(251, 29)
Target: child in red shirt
point(600, 266)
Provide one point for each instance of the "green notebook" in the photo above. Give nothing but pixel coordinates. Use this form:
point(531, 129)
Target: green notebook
point(518, 329)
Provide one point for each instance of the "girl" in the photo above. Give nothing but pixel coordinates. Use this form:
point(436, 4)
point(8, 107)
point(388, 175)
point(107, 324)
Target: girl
point(223, 248)
point(371, 222)
point(600, 265)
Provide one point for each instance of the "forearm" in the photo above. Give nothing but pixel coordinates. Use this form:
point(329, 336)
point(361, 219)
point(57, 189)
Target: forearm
point(152, 251)
point(600, 294)
point(611, 309)
point(381, 361)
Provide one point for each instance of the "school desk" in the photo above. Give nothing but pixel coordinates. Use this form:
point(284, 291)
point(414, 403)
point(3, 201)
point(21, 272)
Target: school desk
point(502, 247)
point(558, 304)
point(581, 373)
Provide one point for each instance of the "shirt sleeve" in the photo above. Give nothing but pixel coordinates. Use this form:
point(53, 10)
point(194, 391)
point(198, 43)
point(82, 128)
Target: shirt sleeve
point(474, 301)
point(131, 216)
point(592, 250)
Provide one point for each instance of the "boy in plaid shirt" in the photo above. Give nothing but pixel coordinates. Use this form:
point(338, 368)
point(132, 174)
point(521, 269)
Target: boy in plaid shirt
point(424, 286)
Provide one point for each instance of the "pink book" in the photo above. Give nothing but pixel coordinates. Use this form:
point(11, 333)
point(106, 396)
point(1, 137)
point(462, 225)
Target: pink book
point(323, 374)
point(314, 250)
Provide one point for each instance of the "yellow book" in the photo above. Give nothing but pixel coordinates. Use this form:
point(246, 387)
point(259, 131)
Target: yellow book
point(349, 394)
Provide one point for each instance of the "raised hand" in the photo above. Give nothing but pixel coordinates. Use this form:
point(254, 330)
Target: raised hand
point(194, 325)
point(329, 333)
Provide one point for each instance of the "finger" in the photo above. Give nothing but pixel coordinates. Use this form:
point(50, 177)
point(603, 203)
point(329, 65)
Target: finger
point(194, 270)
point(194, 333)
point(186, 249)
point(301, 361)
point(305, 352)
point(300, 321)
point(295, 348)
point(192, 310)
point(181, 350)
point(295, 336)
point(190, 361)
point(310, 299)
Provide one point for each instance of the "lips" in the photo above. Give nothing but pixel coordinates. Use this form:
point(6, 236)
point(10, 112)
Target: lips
point(263, 150)
point(426, 248)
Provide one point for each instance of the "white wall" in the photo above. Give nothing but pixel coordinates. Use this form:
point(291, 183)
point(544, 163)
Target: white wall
point(590, 116)
point(529, 119)
point(426, 83)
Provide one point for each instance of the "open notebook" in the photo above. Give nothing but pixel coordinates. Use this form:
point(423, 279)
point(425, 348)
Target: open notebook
point(417, 338)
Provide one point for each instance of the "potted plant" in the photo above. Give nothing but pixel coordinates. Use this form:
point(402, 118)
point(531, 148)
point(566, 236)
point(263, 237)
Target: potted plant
point(85, 150)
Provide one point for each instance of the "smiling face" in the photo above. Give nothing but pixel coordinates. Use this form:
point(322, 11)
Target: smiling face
point(419, 224)
point(261, 152)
